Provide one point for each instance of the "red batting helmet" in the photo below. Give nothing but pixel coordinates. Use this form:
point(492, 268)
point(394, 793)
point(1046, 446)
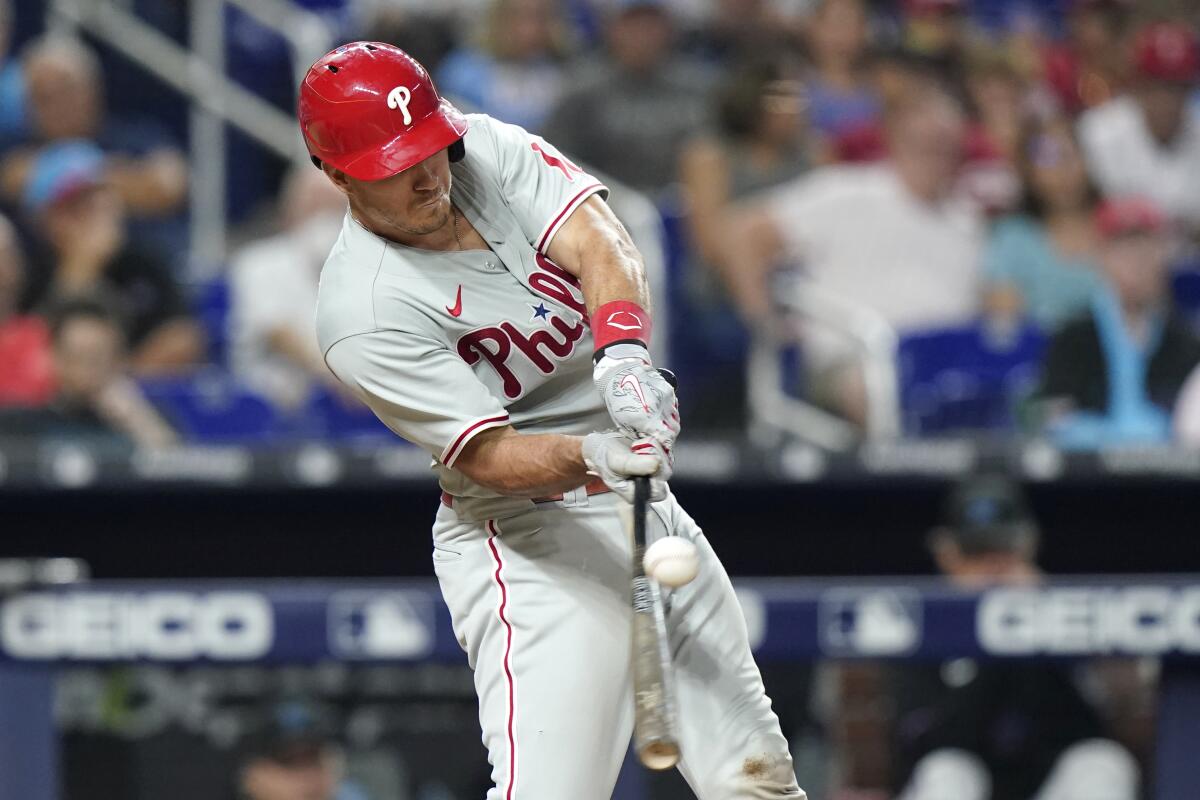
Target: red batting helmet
point(371, 110)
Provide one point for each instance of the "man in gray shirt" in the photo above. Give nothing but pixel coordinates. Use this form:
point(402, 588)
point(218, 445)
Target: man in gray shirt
point(640, 93)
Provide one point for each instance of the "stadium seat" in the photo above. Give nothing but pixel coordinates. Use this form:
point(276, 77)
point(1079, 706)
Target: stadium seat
point(966, 379)
point(211, 305)
point(328, 416)
point(212, 407)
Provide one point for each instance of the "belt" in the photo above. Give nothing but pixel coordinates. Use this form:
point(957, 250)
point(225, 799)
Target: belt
point(594, 486)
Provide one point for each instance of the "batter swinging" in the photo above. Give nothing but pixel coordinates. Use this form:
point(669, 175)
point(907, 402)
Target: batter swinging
point(487, 305)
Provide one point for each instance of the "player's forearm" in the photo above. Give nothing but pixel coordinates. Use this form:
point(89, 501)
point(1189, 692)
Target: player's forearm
point(594, 246)
point(524, 465)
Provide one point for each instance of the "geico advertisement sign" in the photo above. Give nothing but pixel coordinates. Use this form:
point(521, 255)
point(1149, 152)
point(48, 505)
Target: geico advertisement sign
point(122, 625)
point(1146, 620)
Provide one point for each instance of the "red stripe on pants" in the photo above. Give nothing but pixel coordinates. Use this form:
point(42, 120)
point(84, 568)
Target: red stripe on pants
point(512, 739)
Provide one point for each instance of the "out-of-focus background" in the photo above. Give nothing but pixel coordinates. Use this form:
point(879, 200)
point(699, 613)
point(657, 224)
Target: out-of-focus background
point(927, 271)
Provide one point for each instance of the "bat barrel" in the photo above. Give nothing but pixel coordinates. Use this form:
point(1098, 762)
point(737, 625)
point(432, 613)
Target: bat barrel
point(654, 727)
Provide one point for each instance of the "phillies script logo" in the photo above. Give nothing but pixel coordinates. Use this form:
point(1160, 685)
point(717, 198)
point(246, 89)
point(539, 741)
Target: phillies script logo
point(544, 348)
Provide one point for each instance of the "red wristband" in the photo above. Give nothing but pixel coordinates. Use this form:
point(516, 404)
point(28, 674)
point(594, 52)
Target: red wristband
point(620, 321)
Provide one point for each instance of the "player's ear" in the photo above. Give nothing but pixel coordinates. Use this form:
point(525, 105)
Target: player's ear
point(340, 179)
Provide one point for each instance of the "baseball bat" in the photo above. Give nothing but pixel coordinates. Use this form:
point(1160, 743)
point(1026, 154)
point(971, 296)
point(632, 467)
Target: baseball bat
point(654, 730)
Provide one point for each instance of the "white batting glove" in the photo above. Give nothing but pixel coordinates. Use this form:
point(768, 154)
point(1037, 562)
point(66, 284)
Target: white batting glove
point(616, 459)
point(640, 400)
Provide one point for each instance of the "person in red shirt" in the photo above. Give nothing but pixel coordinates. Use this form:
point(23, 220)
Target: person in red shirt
point(26, 375)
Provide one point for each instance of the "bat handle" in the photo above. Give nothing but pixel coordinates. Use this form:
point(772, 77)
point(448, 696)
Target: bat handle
point(641, 505)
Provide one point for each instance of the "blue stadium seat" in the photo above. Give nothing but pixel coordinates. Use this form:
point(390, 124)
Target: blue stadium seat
point(966, 379)
point(212, 407)
point(328, 416)
point(211, 304)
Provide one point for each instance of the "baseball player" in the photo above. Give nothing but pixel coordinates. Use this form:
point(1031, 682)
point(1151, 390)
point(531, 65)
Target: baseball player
point(486, 304)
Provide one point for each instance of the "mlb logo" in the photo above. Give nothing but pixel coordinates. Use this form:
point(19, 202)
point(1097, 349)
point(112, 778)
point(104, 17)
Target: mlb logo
point(870, 622)
point(380, 625)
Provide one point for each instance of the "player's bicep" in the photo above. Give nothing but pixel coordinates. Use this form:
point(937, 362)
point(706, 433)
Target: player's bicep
point(418, 388)
point(592, 229)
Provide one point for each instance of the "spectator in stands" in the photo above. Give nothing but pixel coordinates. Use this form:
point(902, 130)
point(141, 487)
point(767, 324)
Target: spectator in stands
point(95, 400)
point(1090, 67)
point(1042, 263)
point(273, 294)
point(839, 94)
point(630, 115)
point(1113, 375)
point(516, 72)
point(939, 30)
point(760, 143)
point(80, 221)
point(65, 102)
point(428, 34)
point(1148, 142)
point(890, 238)
point(294, 758)
point(726, 33)
point(12, 83)
point(999, 730)
point(26, 376)
point(996, 104)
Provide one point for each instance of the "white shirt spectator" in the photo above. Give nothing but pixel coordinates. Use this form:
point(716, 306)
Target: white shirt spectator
point(859, 233)
point(1124, 158)
point(273, 285)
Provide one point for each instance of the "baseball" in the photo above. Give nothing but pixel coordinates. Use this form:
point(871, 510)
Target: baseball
point(672, 561)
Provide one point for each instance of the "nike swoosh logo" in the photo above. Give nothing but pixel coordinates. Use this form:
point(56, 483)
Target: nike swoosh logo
point(457, 309)
point(636, 385)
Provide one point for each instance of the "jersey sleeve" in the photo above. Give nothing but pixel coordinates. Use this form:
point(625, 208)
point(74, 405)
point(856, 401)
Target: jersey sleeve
point(542, 186)
point(418, 388)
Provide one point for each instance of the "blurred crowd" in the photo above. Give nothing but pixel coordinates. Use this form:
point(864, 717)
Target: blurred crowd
point(1012, 188)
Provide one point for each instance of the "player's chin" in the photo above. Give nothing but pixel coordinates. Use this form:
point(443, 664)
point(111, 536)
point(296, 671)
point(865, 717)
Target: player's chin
point(431, 216)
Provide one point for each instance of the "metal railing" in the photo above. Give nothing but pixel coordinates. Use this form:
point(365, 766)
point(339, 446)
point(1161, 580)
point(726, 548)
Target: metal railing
point(773, 411)
point(198, 72)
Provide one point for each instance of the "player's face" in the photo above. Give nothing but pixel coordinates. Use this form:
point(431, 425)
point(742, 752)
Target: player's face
point(412, 203)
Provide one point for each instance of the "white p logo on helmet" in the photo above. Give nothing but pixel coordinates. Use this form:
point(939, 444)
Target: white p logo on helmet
point(399, 98)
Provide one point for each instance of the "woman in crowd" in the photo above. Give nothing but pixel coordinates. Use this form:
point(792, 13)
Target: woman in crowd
point(840, 98)
point(761, 142)
point(1041, 263)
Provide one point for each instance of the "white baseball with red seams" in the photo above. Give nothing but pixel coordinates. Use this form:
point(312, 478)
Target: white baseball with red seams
point(443, 345)
point(672, 561)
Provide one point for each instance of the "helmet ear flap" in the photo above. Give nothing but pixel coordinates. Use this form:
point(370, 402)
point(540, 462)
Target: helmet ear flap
point(457, 151)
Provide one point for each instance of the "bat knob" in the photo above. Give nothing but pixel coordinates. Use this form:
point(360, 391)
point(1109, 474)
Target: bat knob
point(659, 755)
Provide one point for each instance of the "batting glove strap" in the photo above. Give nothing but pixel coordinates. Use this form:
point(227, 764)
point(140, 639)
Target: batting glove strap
point(616, 459)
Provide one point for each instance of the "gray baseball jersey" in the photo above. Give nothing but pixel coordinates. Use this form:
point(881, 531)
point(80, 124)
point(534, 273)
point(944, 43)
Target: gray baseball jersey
point(445, 345)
